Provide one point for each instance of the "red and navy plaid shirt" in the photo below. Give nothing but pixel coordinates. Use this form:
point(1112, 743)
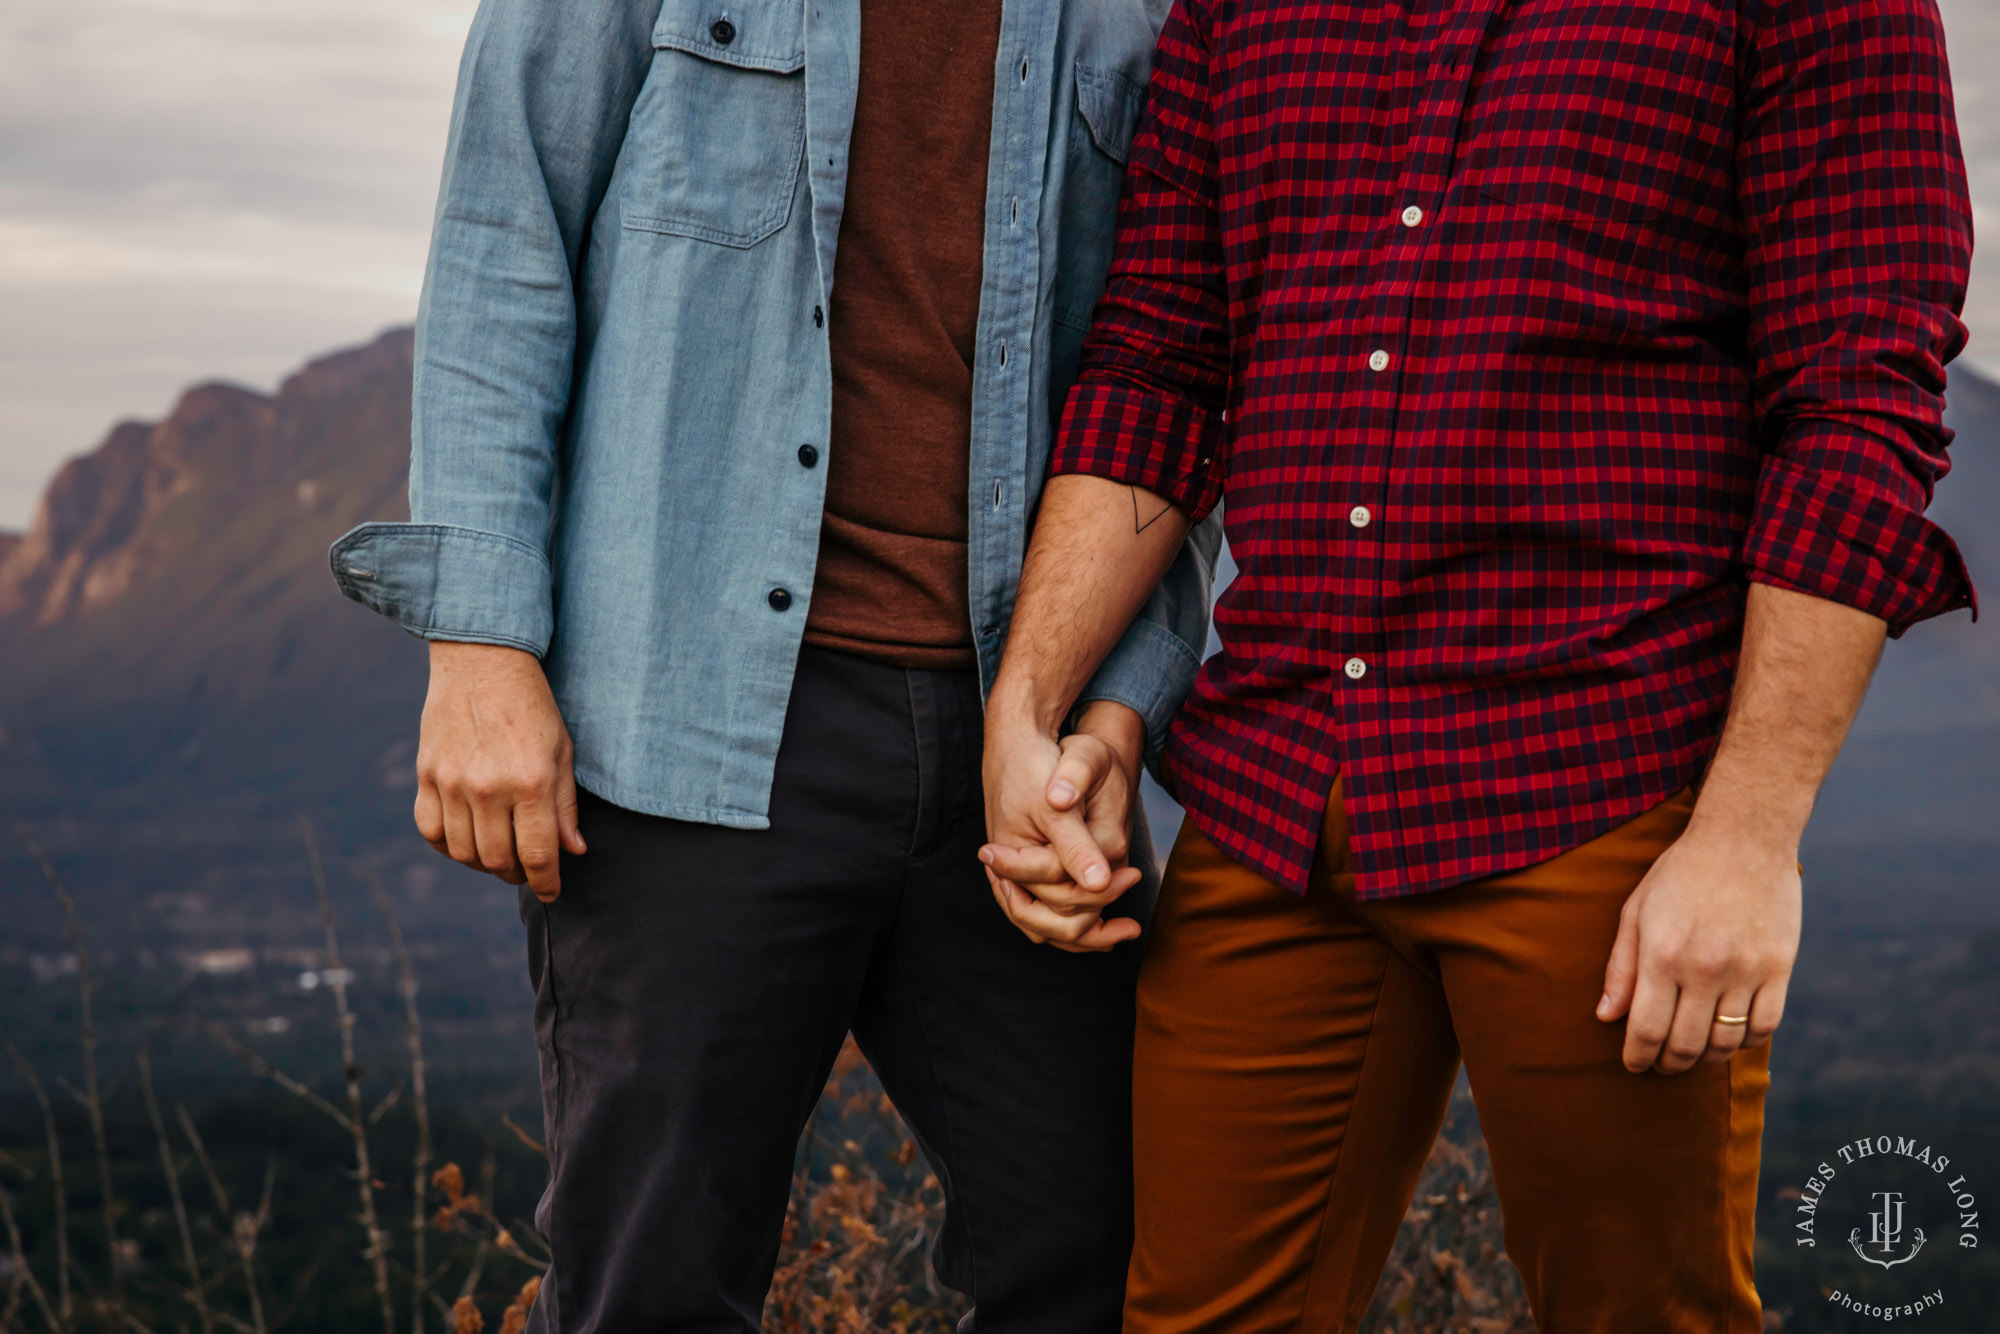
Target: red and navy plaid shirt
point(1516, 338)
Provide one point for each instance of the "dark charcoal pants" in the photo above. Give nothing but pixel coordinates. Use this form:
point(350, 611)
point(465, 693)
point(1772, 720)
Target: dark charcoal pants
point(693, 985)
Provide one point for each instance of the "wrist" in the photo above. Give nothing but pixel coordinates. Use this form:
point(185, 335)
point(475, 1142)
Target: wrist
point(1118, 726)
point(1760, 822)
point(1013, 708)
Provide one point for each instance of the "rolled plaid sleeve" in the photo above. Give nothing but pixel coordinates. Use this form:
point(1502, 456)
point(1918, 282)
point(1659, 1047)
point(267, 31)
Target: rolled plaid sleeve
point(1153, 381)
point(1858, 245)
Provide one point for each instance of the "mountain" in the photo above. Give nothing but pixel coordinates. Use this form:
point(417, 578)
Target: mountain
point(167, 626)
point(180, 682)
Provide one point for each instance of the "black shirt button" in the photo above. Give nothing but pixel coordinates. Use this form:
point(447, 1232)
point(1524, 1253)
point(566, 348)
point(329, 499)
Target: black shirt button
point(723, 31)
point(808, 456)
point(819, 318)
point(779, 599)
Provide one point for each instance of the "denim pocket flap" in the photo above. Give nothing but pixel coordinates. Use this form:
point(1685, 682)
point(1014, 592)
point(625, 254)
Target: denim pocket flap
point(1110, 104)
point(751, 34)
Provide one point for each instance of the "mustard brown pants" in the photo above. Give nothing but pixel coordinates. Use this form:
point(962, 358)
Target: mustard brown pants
point(1295, 1055)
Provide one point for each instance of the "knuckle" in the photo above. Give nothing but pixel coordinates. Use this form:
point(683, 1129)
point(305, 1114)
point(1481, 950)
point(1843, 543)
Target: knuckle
point(1712, 963)
point(1685, 1051)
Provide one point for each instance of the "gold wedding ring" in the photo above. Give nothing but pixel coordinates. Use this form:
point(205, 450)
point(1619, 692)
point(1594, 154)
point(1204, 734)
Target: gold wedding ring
point(1732, 1019)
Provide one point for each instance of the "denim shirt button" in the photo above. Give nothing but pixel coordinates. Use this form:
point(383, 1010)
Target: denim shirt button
point(819, 318)
point(779, 599)
point(723, 31)
point(808, 456)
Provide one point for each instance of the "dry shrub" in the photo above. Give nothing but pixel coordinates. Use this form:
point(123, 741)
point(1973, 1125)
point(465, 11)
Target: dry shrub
point(1448, 1273)
point(858, 1231)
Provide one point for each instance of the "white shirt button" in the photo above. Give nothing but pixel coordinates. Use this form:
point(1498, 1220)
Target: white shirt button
point(1359, 516)
point(1356, 669)
point(1412, 216)
point(1378, 360)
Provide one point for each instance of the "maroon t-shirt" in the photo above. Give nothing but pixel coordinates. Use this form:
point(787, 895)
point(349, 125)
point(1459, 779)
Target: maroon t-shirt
point(905, 311)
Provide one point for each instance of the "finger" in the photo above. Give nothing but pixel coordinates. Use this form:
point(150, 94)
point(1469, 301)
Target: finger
point(460, 845)
point(1083, 861)
point(1107, 933)
point(1109, 822)
point(1621, 973)
point(1031, 865)
point(1725, 1039)
point(1038, 918)
point(429, 815)
point(1006, 894)
point(1083, 765)
point(1687, 1037)
point(1064, 897)
point(1650, 1020)
point(566, 821)
point(537, 835)
point(493, 832)
point(1767, 1011)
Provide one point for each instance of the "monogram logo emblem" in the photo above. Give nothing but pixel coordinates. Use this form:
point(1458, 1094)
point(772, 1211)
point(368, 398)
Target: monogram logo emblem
point(1885, 1233)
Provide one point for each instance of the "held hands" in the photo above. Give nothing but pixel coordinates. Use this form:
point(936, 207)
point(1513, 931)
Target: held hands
point(1059, 818)
point(1710, 933)
point(495, 786)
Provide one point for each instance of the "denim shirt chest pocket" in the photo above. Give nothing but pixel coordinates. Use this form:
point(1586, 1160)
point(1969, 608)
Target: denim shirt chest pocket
point(717, 135)
point(1108, 106)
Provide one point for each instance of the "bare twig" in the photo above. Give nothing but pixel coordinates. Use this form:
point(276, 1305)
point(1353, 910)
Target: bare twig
point(93, 1102)
point(168, 1016)
point(413, 1029)
point(523, 1135)
point(65, 1304)
point(485, 1246)
point(265, 1070)
point(387, 1105)
point(242, 1232)
point(298, 1296)
point(134, 1323)
point(22, 1272)
point(171, 1168)
point(357, 1115)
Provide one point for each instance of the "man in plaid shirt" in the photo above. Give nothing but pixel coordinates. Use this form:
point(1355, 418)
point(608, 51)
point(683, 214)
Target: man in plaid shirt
point(1571, 376)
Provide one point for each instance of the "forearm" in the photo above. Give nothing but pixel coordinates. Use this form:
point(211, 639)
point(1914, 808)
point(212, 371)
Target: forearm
point(1805, 666)
point(1099, 549)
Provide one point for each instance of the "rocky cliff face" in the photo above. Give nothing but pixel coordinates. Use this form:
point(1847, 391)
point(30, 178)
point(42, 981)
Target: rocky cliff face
point(168, 617)
point(110, 519)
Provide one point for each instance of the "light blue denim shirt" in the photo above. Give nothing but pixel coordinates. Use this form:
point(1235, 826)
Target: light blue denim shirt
point(622, 346)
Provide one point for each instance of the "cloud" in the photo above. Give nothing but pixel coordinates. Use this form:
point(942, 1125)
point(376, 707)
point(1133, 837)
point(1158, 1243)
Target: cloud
point(201, 188)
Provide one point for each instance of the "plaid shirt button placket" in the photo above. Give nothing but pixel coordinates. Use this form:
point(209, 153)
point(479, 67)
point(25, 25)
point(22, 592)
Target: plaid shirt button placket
point(1604, 337)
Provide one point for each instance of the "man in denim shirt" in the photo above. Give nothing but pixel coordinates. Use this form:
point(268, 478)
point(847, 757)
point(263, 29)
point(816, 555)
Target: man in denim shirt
point(715, 541)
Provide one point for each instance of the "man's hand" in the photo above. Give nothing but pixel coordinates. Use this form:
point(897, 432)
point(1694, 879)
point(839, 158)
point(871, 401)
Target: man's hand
point(1711, 931)
point(495, 786)
point(1059, 817)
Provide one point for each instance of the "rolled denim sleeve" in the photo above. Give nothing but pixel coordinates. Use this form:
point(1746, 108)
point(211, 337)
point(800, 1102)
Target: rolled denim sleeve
point(544, 94)
point(1859, 240)
point(1153, 666)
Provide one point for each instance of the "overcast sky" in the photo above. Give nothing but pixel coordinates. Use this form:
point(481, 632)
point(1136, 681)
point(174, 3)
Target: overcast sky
point(198, 189)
